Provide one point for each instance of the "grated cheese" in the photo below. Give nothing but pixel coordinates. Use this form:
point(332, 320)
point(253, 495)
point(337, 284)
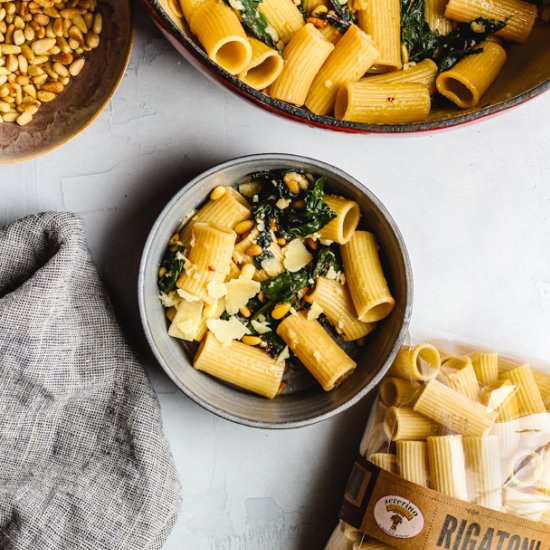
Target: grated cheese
point(216, 289)
point(314, 311)
point(239, 291)
point(261, 327)
point(187, 296)
point(296, 255)
point(227, 331)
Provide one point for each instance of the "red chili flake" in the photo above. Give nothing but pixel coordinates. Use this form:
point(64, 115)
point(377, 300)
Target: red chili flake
point(211, 268)
point(391, 99)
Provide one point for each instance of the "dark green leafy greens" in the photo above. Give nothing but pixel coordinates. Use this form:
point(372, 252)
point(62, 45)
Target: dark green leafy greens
point(446, 50)
point(252, 19)
point(173, 263)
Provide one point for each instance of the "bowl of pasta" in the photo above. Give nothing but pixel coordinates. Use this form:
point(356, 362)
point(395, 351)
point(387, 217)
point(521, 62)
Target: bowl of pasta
point(275, 290)
point(359, 66)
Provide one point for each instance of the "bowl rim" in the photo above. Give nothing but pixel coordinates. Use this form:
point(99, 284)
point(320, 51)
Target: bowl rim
point(11, 161)
point(200, 60)
point(407, 312)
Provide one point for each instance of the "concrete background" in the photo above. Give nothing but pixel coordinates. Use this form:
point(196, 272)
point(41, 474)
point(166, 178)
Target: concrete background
point(473, 204)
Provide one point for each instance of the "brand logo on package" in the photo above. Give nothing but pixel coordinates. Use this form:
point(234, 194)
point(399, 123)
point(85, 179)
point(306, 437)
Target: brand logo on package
point(398, 517)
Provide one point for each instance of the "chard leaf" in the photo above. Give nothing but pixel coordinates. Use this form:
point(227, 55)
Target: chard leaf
point(173, 264)
point(252, 19)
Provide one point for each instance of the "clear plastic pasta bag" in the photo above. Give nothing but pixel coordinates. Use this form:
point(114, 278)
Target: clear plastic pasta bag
point(455, 455)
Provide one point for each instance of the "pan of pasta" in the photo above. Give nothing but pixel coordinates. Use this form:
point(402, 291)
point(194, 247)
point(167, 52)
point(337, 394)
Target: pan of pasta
point(275, 290)
point(365, 65)
point(456, 454)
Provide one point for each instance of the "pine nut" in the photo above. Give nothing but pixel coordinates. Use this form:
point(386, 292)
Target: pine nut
point(3, 79)
point(24, 118)
point(18, 37)
point(76, 66)
point(55, 87)
point(280, 310)
point(92, 40)
point(244, 227)
point(251, 340)
point(98, 23)
point(23, 64)
point(40, 47)
point(254, 250)
point(46, 96)
point(10, 49)
point(244, 311)
point(248, 271)
point(60, 69)
point(217, 192)
point(4, 107)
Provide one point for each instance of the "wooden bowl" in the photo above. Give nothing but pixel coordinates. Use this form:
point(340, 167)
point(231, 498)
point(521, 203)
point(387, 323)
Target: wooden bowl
point(525, 75)
point(86, 96)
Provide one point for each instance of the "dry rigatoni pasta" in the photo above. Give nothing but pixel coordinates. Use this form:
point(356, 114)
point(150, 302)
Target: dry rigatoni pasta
point(447, 466)
point(454, 410)
point(423, 73)
point(342, 227)
point(363, 101)
point(486, 367)
point(518, 15)
point(353, 55)
point(265, 66)
point(386, 461)
point(501, 397)
point(319, 353)
point(463, 379)
point(283, 16)
point(335, 303)
point(421, 363)
point(303, 57)
point(242, 365)
point(469, 79)
point(412, 458)
point(208, 260)
point(381, 20)
point(528, 394)
point(222, 36)
point(365, 277)
point(398, 392)
point(225, 211)
point(483, 463)
point(404, 423)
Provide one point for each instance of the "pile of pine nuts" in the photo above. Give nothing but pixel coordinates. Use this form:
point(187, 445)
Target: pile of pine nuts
point(42, 45)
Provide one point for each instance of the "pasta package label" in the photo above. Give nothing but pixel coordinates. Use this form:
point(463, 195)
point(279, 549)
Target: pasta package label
point(401, 514)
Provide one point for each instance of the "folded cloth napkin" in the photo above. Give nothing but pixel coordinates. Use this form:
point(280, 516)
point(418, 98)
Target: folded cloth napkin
point(84, 464)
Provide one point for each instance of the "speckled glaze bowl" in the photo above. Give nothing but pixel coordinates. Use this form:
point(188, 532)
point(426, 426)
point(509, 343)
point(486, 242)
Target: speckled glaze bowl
point(86, 96)
point(303, 402)
point(525, 75)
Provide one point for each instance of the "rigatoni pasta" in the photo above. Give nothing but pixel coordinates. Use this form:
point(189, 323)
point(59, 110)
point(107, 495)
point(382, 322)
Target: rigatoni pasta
point(261, 267)
point(412, 458)
point(283, 16)
point(264, 67)
point(421, 362)
point(447, 466)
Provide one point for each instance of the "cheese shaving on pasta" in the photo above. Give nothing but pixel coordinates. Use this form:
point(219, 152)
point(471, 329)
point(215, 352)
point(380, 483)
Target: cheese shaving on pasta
point(226, 331)
point(296, 256)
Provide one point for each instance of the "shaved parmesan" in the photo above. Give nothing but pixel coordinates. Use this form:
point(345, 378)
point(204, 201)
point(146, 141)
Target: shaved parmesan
point(284, 355)
point(216, 289)
point(226, 331)
point(314, 311)
point(261, 328)
point(272, 266)
point(239, 291)
point(281, 204)
point(187, 296)
point(296, 255)
point(169, 299)
point(187, 321)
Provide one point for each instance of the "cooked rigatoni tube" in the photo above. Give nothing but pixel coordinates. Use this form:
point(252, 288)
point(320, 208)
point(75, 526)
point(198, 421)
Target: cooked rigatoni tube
point(341, 228)
point(528, 394)
point(353, 55)
point(404, 423)
point(397, 392)
point(386, 461)
point(245, 366)
point(365, 277)
point(303, 57)
point(466, 82)
point(310, 5)
point(365, 102)
point(454, 410)
point(412, 458)
point(486, 367)
point(423, 73)
point(519, 15)
point(265, 66)
point(226, 211)
point(335, 301)
point(208, 260)
point(446, 464)
point(434, 14)
point(462, 380)
point(319, 353)
point(283, 16)
point(381, 20)
point(420, 363)
point(483, 463)
point(330, 33)
point(188, 7)
point(222, 36)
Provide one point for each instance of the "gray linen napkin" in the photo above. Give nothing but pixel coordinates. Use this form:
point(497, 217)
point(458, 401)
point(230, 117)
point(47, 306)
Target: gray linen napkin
point(84, 464)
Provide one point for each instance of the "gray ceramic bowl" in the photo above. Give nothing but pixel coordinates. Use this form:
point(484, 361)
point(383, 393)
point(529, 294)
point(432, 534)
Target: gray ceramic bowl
point(304, 402)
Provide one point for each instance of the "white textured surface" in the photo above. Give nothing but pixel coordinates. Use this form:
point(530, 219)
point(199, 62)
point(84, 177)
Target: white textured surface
point(473, 204)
